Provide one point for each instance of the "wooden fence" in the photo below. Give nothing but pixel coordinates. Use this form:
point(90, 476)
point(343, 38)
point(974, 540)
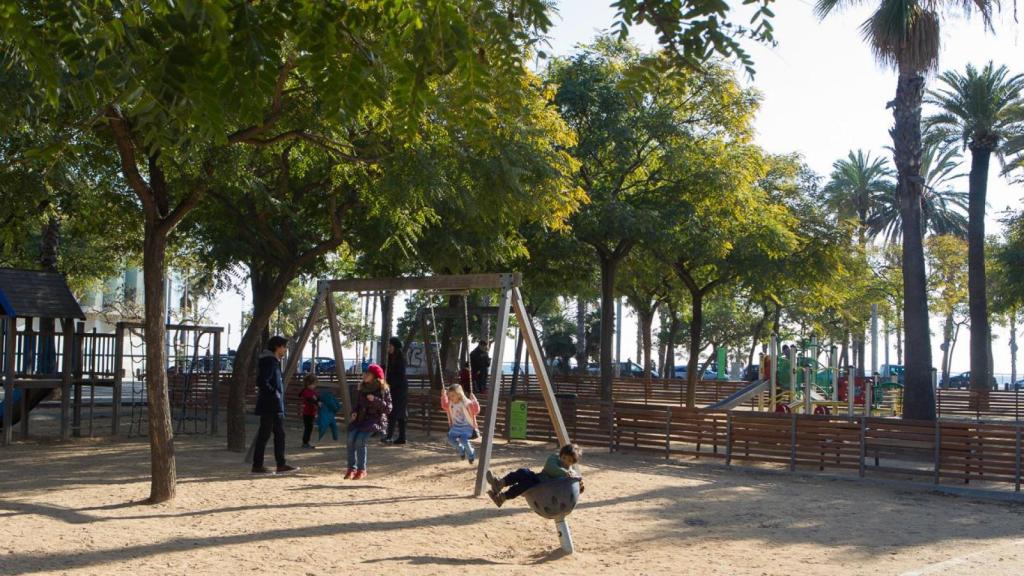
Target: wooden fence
point(943, 452)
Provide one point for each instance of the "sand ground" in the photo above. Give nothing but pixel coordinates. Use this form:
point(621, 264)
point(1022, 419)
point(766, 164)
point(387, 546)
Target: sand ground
point(77, 508)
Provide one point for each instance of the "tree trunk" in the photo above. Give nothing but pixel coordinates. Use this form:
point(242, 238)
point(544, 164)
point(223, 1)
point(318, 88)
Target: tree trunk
point(581, 335)
point(947, 336)
point(387, 315)
point(1013, 348)
point(267, 293)
point(861, 355)
point(161, 436)
point(696, 326)
point(756, 336)
point(608, 269)
point(981, 340)
point(646, 340)
point(919, 396)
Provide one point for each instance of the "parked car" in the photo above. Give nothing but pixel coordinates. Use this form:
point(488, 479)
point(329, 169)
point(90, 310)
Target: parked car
point(204, 365)
point(634, 370)
point(682, 371)
point(889, 370)
point(1018, 385)
point(322, 365)
point(963, 380)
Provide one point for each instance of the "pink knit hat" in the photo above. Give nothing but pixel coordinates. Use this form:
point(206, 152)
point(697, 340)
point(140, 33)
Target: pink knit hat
point(376, 370)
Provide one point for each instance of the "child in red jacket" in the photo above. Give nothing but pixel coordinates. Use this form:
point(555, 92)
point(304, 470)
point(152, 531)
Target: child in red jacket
point(310, 404)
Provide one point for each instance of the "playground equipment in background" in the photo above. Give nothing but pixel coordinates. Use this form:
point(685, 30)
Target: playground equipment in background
point(797, 382)
point(32, 365)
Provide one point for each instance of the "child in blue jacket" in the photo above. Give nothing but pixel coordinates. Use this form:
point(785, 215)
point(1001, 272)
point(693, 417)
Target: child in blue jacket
point(326, 417)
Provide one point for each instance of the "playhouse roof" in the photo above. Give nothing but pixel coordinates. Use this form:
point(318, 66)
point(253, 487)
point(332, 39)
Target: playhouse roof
point(29, 293)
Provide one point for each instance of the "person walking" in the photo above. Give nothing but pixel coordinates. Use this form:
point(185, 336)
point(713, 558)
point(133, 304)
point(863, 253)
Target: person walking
point(479, 364)
point(270, 406)
point(399, 384)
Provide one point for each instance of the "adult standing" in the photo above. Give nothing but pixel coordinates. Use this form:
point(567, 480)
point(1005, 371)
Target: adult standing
point(399, 392)
point(270, 406)
point(479, 365)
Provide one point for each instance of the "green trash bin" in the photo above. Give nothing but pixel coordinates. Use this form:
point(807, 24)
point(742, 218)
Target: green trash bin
point(517, 420)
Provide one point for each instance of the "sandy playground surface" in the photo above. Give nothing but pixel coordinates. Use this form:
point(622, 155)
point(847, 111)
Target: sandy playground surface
point(75, 509)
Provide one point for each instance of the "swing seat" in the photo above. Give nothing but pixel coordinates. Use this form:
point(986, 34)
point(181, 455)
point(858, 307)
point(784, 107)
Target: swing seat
point(554, 499)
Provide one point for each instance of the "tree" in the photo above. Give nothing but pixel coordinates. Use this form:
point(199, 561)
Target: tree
point(944, 203)
point(173, 88)
point(905, 35)
point(856, 186)
point(979, 109)
point(646, 283)
point(629, 111)
point(947, 264)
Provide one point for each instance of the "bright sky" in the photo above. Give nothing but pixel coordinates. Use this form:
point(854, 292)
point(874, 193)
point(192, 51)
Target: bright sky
point(823, 96)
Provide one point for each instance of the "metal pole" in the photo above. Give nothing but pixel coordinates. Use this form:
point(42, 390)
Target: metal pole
point(833, 371)
point(495, 387)
point(874, 340)
point(808, 388)
point(773, 370)
point(618, 335)
point(851, 389)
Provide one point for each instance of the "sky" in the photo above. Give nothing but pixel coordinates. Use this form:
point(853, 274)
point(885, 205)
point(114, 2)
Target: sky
point(822, 96)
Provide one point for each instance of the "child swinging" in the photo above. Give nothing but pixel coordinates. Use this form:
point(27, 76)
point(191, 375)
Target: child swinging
point(462, 413)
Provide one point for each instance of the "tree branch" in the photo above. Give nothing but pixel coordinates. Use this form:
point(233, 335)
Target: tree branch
point(129, 164)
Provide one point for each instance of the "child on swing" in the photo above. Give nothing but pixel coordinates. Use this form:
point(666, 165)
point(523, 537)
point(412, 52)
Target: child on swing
point(559, 465)
point(462, 412)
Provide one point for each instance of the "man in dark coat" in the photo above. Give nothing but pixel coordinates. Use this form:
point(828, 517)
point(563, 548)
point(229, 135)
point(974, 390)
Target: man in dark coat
point(479, 364)
point(395, 377)
point(270, 406)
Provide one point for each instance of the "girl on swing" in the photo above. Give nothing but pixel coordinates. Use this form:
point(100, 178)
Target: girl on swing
point(462, 412)
point(370, 416)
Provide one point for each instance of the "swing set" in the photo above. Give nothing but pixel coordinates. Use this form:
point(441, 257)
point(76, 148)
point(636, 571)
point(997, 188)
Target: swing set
point(553, 500)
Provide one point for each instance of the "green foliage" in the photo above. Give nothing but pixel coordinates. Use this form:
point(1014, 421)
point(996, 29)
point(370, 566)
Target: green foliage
point(694, 29)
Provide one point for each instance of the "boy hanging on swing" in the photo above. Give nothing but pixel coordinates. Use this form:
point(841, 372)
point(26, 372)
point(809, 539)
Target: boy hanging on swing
point(561, 465)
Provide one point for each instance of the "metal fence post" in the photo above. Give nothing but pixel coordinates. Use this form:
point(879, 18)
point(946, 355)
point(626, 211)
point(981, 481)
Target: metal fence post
point(728, 438)
point(792, 444)
point(1016, 484)
point(938, 450)
point(863, 444)
point(668, 432)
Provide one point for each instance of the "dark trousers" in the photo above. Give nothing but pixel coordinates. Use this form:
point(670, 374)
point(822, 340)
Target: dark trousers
point(480, 384)
point(269, 423)
point(392, 423)
point(519, 481)
point(307, 428)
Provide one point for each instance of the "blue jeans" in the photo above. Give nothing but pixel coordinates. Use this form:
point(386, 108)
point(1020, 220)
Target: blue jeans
point(459, 437)
point(357, 449)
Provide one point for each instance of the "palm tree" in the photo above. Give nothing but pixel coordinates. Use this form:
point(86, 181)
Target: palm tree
point(945, 207)
point(905, 35)
point(857, 183)
point(978, 109)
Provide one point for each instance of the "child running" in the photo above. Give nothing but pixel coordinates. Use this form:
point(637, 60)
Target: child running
point(310, 405)
point(373, 403)
point(556, 466)
point(461, 413)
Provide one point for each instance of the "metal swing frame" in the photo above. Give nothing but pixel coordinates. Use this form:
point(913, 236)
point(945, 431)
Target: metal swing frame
point(511, 301)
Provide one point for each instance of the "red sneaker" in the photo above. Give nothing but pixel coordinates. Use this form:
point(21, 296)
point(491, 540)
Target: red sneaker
point(350, 474)
point(359, 475)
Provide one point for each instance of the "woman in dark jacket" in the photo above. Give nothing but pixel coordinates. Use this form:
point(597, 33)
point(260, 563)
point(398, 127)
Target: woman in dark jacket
point(373, 402)
point(399, 392)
